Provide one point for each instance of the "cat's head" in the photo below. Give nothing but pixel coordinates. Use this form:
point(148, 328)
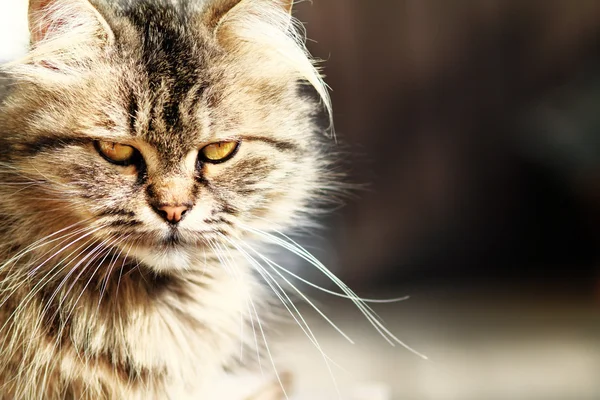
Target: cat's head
point(162, 128)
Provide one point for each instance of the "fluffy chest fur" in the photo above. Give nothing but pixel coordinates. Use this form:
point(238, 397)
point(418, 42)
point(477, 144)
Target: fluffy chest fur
point(147, 338)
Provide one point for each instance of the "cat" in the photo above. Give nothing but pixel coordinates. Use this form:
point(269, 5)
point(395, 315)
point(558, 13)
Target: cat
point(145, 147)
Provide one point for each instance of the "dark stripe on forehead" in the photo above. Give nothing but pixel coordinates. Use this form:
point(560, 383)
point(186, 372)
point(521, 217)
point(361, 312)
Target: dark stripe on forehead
point(132, 109)
point(170, 54)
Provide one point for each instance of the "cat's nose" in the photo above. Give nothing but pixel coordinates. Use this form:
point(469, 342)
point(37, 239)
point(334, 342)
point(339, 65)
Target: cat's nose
point(172, 214)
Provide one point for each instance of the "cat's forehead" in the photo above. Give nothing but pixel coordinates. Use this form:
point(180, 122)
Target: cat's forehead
point(166, 55)
point(180, 89)
point(168, 114)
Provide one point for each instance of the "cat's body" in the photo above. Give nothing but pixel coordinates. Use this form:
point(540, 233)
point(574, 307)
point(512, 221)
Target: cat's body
point(125, 269)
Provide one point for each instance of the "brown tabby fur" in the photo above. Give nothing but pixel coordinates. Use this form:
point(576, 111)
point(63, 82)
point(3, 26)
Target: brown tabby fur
point(100, 297)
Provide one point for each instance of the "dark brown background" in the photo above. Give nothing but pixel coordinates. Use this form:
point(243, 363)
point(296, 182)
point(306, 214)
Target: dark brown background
point(475, 124)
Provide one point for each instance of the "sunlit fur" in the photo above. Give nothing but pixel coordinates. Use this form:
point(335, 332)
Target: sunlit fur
point(100, 297)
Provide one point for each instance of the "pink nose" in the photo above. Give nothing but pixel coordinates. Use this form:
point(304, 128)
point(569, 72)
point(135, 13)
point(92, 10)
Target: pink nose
point(173, 214)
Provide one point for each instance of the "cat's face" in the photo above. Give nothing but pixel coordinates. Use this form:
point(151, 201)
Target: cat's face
point(173, 139)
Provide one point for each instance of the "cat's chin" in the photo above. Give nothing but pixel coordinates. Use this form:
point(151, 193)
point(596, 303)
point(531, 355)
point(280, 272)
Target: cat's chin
point(165, 259)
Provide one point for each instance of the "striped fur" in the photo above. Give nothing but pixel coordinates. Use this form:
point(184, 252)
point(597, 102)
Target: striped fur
point(100, 297)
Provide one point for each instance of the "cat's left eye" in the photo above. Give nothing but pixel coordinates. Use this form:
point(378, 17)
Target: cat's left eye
point(116, 153)
point(220, 151)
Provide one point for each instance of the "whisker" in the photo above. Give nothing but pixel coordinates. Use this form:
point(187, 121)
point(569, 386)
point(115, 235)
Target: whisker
point(304, 297)
point(110, 268)
point(31, 295)
point(44, 280)
point(40, 243)
point(226, 266)
point(295, 248)
point(108, 273)
point(287, 303)
point(41, 282)
point(107, 249)
point(268, 350)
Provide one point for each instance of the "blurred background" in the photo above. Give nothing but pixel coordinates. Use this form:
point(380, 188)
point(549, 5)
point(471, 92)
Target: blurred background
point(475, 125)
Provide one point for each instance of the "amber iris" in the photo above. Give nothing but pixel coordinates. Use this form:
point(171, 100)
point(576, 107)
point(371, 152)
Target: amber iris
point(116, 152)
point(220, 151)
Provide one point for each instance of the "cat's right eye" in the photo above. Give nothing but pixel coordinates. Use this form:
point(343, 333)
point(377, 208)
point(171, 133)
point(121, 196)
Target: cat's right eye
point(116, 153)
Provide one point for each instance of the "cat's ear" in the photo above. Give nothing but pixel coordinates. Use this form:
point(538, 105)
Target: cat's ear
point(52, 19)
point(220, 10)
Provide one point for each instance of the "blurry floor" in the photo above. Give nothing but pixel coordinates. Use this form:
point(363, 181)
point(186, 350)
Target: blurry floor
point(506, 345)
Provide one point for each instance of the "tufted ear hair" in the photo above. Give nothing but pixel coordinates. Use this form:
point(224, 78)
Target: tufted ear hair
point(66, 33)
point(219, 11)
point(266, 30)
point(49, 19)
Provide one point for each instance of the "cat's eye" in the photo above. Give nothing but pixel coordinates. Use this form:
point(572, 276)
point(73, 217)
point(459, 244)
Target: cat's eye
point(220, 151)
point(116, 153)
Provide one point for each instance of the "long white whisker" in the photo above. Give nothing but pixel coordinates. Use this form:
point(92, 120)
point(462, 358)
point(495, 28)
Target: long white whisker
point(268, 349)
point(295, 248)
point(40, 243)
point(104, 246)
point(227, 263)
point(304, 297)
point(72, 271)
point(34, 292)
point(109, 271)
point(287, 303)
point(44, 280)
point(213, 245)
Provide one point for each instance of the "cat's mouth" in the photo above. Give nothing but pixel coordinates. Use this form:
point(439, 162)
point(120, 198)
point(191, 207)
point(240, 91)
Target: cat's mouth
point(172, 250)
point(167, 256)
point(173, 239)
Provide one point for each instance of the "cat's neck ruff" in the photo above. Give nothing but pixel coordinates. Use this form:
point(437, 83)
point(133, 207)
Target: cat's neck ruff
point(150, 335)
